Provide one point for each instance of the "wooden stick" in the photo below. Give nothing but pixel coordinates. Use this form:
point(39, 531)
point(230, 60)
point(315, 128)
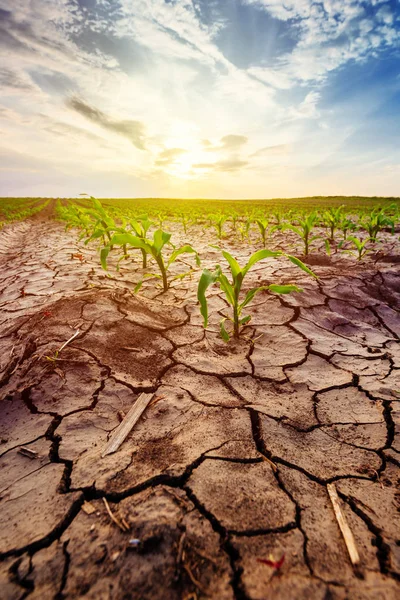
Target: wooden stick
point(344, 528)
point(69, 341)
point(124, 428)
point(114, 519)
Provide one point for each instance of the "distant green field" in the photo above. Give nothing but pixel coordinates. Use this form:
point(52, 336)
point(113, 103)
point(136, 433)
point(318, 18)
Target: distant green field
point(16, 209)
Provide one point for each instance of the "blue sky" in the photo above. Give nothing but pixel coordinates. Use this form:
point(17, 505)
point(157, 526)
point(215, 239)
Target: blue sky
point(196, 98)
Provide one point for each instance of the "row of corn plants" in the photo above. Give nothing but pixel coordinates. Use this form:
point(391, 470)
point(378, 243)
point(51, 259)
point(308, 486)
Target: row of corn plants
point(130, 235)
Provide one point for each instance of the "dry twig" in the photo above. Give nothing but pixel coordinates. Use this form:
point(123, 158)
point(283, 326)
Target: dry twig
point(113, 518)
point(124, 428)
point(344, 528)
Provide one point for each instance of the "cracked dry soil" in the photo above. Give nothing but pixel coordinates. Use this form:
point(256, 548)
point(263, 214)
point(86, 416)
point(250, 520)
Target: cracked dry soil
point(229, 465)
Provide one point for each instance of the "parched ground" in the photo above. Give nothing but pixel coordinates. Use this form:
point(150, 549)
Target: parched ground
point(230, 464)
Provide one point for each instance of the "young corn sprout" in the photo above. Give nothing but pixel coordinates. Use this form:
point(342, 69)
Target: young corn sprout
point(141, 226)
point(304, 230)
point(218, 221)
point(332, 219)
point(263, 227)
point(232, 289)
point(359, 245)
point(345, 225)
point(244, 229)
point(153, 248)
point(376, 221)
point(103, 224)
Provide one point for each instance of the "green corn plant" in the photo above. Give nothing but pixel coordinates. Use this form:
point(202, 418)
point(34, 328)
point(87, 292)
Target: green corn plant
point(278, 217)
point(332, 219)
point(359, 245)
point(102, 224)
point(185, 222)
point(346, 225)
point(153, 248)
point(235, 219)
point(263, 227)
point(376, 221)
point(218, 221)
point(141, 226)
point(244, 229)
point(327, 247)
point(232, 289)
point(304, 230)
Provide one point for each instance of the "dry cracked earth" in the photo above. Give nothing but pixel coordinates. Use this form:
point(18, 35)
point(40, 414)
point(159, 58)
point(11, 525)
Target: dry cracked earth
point(229, 464)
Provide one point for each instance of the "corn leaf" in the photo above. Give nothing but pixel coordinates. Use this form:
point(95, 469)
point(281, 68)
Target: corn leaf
point(284, 289)
point(227, 288)
point(104, 252)
point(119, 239)
point(245, 320)
point(186, 249)
point(207, 278)
point(259, 255)
point(234, 265)
point(250, 295)
point(160, 239)
point(223, 331)
point(299, 263)
point(138, 286)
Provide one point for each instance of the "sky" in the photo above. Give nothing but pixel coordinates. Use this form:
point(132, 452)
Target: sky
point(199, 98)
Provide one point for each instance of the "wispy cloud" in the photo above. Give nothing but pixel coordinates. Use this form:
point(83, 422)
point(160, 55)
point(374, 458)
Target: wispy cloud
point(223, 166)
point(272, 150)
point(227, 143)
point(169, 156)
point(133, 130)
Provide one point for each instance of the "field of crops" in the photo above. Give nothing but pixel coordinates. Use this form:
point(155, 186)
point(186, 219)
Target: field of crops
point(261, 338)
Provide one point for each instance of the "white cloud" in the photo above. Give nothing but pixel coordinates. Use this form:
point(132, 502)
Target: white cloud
point(330, 34)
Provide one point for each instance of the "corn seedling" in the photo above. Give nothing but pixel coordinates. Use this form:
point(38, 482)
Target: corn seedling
point(141, 227)
point(359, 245)
point(304, 230)
point(218, 221)
point(244, 229)
point(232, 289)
point(332, 219)
point(377, 221)
point(152, 248)
point(346, 225)
point(263, 227)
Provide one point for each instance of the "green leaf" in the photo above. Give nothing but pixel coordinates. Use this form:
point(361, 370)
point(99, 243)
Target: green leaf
point(186, 249)
point(284, 289)
point(245, 320)
point(259, 255)
point(207, 278)
point(98, 206)
point(160, 239)
point(250, 295)
point(299, 263)
point(119, 239)
point(227, 288)
point(234, 265)
point(328, 247)
point(292, 228)
point(138, 286)
point(181, 276)
point(223, 331)
point(104, 252)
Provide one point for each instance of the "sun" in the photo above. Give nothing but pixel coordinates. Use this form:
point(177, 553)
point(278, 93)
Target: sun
point(185, 136)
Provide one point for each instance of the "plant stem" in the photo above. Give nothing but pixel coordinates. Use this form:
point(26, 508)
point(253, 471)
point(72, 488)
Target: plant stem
point(160, 263)
point(235, 321)
point(144, 255)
